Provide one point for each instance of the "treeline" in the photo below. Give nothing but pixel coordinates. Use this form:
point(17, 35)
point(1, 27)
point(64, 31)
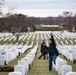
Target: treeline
point(20, 22)
point(17, 23)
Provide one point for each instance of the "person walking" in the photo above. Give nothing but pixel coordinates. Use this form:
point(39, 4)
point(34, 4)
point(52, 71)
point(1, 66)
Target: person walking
point(42, 50)
point(53, 52)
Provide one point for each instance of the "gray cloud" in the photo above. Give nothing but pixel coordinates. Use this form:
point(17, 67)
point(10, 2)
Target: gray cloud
point(53, 5)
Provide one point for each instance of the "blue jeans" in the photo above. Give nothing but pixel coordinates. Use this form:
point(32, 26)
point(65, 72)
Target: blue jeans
point(52, 58)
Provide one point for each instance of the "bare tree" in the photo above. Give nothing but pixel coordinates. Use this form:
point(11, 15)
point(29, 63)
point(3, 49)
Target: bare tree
point(67, 13)
point(1, 3)
point(68, 19)
point(1, 20)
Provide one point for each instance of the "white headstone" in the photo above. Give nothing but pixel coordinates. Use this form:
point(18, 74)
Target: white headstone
point(60, 63)
point(15, 73)
point(25, 63)
point(65, 69)
point(71, 73)
point(20, 68)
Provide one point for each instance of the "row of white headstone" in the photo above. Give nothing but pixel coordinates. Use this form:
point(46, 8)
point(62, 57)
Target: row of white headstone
point(67, 35)
point(33, 36)
point(21, 37)
point(68, 51)
point(65, 39)
point(45, 35)
point(8, 53)
point(23, 65)
point(30, 35)
point(12, 37)
point(62, 67)
point(5, 34)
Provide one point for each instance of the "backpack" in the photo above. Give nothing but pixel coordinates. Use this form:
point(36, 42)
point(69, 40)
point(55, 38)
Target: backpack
point(57, 52)
point(46, 50)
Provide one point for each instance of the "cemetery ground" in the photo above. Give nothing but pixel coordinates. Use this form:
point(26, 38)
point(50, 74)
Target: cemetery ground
point(38, 67)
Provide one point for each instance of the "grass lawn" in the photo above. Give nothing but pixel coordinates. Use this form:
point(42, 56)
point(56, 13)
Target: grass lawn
point(49, 29)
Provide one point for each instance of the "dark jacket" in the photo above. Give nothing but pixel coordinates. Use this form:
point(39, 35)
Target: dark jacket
point(42, 47)
point(51, 50)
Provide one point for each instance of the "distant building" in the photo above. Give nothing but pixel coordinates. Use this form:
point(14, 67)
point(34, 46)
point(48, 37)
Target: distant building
point(49, 25)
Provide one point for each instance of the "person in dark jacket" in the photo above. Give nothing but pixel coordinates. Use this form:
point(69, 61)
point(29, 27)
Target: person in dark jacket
point(42, 50)
point(52, 52)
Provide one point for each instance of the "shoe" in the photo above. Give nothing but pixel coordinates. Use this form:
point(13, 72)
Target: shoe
point(50, 70)
point(38, 58)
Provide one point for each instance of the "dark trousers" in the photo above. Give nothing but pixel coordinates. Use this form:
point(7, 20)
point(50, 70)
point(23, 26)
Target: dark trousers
point(42, 54)
point(52, 58)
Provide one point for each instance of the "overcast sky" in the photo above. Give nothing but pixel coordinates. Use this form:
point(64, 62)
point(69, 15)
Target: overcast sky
point(41, 8)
